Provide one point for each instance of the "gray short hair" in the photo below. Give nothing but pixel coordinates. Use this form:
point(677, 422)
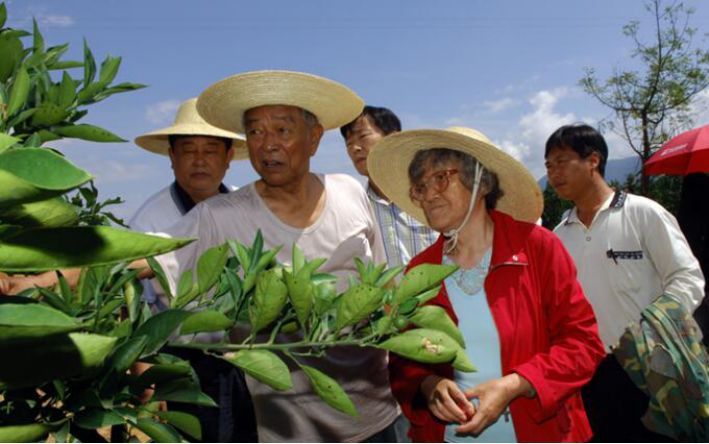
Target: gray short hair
point(466, 165)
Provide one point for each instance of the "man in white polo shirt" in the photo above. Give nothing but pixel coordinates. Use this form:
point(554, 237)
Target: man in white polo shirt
point(628, 250)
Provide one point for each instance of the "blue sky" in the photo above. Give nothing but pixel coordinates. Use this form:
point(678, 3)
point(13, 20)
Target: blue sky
point(507, 68)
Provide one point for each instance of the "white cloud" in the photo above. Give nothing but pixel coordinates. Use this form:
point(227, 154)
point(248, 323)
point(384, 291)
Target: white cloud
point(55, 20)
point(537, 125)
point(518, 150)
point(496, 106)
point(162, 112)
point(700, 108)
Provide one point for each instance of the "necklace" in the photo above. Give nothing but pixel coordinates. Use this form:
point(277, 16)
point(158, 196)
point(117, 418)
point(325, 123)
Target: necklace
point(471, 280)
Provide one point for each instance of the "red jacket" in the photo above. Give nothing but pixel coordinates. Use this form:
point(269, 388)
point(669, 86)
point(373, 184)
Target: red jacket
point(547, 329)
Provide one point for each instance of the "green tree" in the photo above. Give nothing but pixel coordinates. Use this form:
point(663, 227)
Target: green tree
point(653, 102)
point(554, 207)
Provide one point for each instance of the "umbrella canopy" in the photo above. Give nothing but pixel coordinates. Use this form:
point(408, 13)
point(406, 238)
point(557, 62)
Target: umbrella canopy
point(681, 155)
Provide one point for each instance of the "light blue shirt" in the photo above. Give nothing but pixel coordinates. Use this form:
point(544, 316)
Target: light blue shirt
point(467, 296)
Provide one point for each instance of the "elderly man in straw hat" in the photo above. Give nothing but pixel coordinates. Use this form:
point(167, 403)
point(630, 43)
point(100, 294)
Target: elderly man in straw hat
point(523, 317)
point(283, 115)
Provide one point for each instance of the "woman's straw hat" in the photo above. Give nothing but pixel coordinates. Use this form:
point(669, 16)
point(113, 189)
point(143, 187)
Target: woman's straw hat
point(189, 123)
point(388, 165)
point(224, 103)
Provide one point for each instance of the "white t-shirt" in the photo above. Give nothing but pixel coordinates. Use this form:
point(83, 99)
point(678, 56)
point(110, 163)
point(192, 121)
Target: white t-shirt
point(156, 215)
point(346, 229)
point(632, 253)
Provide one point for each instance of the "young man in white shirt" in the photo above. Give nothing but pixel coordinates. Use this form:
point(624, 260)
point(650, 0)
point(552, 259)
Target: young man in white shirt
point(628, 251)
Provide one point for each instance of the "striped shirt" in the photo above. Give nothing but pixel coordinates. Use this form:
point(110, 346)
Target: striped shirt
point(404, 237)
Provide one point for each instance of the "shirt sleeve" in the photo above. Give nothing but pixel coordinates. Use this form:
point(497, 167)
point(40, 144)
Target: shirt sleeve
point(672, 257)
point(198, 224)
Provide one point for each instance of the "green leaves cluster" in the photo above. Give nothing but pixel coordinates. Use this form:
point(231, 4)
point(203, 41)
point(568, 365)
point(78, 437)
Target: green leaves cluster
point(66, 360)
point(284, 313)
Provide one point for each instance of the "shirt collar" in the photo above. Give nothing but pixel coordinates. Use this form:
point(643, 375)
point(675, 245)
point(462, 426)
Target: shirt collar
point(375, 197)
point(615, 200)
point(183, 201)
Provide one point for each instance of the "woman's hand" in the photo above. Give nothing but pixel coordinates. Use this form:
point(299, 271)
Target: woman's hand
point(494, 397)
point(445, 400)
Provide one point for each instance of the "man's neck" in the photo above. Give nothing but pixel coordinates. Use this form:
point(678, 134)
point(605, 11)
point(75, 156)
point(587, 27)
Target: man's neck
point(298, 205)
point(377, 191)
point(588, 204)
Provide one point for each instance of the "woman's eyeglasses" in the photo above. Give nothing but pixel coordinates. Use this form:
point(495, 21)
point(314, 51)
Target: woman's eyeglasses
point(438, 182)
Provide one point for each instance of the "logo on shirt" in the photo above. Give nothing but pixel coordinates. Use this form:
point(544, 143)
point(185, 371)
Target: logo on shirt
point(624, 255)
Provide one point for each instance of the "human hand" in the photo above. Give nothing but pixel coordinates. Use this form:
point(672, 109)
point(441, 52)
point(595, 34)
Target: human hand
point(445, 400)
point(494, 396)
point(11, 285)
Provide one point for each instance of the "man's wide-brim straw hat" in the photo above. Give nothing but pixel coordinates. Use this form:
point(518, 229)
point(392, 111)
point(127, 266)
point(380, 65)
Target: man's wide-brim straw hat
point(388, 166)
point(189, 123)
point(224, 103)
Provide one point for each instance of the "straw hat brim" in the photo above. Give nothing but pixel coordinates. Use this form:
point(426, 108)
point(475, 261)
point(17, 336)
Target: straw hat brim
point(157, 141)
point(388, 165)
point(224, 103)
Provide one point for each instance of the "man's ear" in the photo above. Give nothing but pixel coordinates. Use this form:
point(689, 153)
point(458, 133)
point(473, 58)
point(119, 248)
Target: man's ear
point(316, 133)
point(594, 160)
point(171, 154)
point(229, 155)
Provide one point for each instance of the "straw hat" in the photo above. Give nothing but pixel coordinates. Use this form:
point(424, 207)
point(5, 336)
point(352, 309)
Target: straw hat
point(224, 103)
point(189, 123)
point(388, 165)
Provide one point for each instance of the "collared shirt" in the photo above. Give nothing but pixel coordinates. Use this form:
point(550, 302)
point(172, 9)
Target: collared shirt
point(404, 237)
point(632, 253)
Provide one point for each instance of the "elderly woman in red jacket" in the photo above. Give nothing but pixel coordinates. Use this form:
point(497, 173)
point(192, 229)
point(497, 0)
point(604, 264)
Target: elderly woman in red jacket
point(527, 325)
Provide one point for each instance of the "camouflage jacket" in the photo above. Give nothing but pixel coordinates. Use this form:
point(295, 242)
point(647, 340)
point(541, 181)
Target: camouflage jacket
point(664, 356)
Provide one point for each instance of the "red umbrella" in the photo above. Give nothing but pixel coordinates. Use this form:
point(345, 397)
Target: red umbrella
point(681, 155)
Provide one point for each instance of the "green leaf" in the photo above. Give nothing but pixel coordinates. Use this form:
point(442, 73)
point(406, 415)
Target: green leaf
point(37, 40)
point(25, 432)
point(42, 249)
point(157, 431)
point(388, 275)
point(187, 290)
point(210, 265)
point(20, 322)
point(94, 418)
point(73, 354)
point(89, 65)
point(269, 299)
point(48, 114)
point(330, 391)
point(436, 318)
point(159, 328)
point(127, 353)
point(423, 345)
point(12, 52)
point(183, 390)
point(298, 259)
point(160, 276)
point(53, 212)
point(19, 92)
point(421, 278)
point(6, 141)
point(205, 321)
point(185, 422)
point(300, 292)
point(462, 362)
point(88, 132)
point(59, 65)
point(3, 15)
point(35, 174)
point(264, 366)
point(109, 69)
point(357, 303)
point(162, 373)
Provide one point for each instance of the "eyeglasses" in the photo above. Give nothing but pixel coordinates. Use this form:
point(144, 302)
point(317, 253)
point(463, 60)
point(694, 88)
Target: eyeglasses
point(438, 182)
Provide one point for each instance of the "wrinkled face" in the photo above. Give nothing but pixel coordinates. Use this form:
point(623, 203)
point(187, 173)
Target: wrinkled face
point(361, 138)
point(442, 196)
point(280, 143)
point(200, 163)
point(568, 173)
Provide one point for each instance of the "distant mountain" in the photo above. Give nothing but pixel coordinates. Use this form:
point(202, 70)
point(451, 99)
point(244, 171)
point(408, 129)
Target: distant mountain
point(616, 169)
